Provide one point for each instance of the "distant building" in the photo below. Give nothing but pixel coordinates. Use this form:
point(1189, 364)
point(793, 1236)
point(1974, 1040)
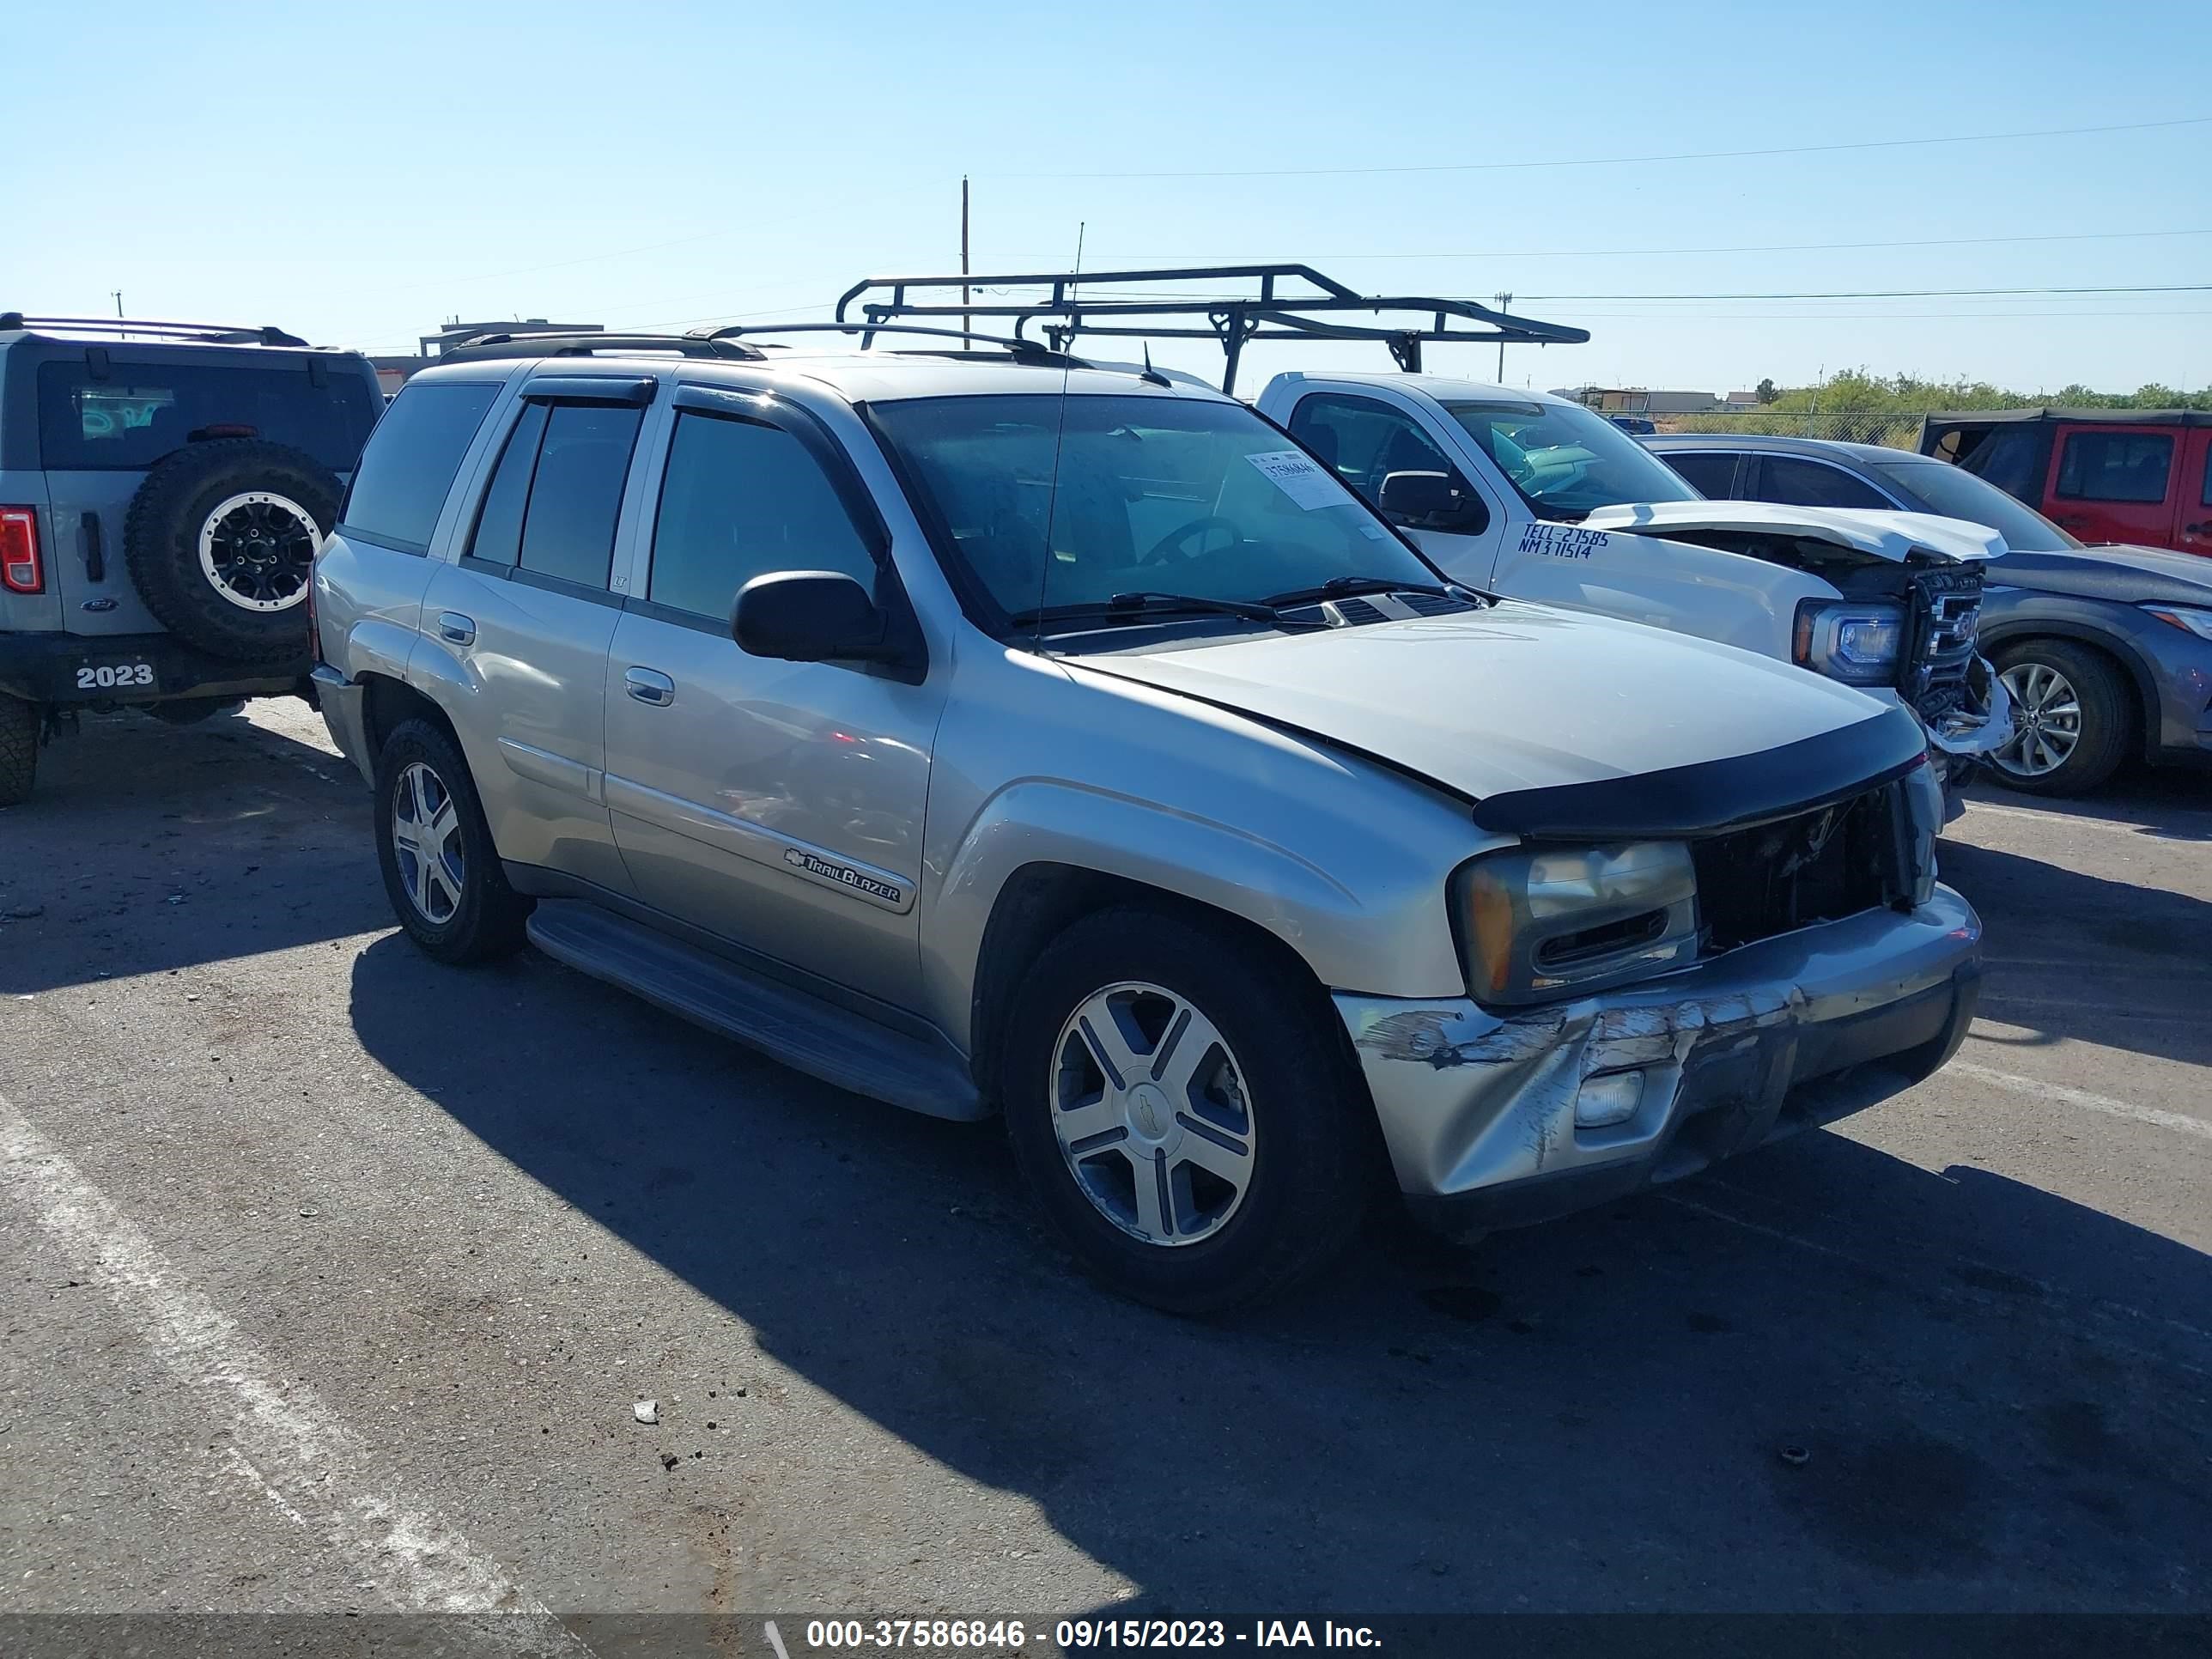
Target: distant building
point(392, 372)
point(1640, 400)
point(1743, 400)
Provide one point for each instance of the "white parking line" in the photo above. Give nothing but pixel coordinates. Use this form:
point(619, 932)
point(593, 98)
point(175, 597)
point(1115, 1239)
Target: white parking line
point(2081, 1098)
point(2118, 825)
point(286, 1439)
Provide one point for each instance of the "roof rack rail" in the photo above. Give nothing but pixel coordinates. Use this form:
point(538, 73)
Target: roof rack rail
point(479, 347)
point(204, 333)
point(1022, 351)
point(1272, 313)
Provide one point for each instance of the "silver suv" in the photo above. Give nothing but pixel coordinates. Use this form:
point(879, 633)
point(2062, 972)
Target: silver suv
point(990, 733)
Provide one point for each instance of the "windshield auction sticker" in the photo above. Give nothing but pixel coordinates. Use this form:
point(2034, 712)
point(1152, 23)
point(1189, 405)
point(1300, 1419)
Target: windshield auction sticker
point(1299, 476)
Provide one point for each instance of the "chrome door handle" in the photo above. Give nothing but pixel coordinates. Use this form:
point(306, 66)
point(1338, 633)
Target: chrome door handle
point(650, 685)
point(453, 625)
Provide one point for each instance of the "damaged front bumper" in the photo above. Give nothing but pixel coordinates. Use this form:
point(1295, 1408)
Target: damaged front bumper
point(1479, 1110)
point(1979, 723)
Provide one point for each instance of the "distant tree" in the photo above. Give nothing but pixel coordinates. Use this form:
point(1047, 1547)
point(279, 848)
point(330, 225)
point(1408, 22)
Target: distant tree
point(1768, 391)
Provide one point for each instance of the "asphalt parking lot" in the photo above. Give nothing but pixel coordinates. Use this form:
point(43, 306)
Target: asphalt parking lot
point(330, 1279)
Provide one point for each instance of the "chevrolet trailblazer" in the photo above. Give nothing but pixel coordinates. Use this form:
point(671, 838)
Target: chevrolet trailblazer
point(989, 733)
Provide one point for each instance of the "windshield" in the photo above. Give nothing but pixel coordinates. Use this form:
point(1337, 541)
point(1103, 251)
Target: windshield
point(1565, 461)
point(1942, 488)
point(1159, 494)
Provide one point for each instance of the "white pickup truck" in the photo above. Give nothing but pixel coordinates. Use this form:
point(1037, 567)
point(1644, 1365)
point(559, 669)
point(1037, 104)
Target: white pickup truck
point(1531, 496)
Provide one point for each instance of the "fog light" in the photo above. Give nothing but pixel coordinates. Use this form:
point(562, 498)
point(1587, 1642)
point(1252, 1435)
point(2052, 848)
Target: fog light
point(1606, 1101)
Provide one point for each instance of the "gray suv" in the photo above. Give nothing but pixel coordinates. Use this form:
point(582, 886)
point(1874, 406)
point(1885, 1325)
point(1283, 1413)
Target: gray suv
point(994, 733)
point(163, 487)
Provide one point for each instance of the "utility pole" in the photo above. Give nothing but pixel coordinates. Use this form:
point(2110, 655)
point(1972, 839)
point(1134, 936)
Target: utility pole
point(1503, 300)
point(967, 323)
point(118, 293)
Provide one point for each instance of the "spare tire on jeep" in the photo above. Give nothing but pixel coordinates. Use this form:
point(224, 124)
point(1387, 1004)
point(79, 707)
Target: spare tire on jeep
point(220, 540)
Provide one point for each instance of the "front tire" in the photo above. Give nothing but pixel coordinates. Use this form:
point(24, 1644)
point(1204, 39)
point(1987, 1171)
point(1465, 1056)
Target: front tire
point(441, 871)
point(1179, 1101)
point(19, 749)
point(2075, 717)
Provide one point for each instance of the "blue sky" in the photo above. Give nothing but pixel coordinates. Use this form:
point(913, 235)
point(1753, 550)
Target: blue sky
point(358, 173)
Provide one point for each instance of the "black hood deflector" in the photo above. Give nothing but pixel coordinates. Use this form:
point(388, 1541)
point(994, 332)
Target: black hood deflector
point(1710, 797)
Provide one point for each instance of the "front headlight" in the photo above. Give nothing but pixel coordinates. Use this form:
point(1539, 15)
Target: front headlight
point(1535, 922)
point(1849, 640)
point(2197, 622)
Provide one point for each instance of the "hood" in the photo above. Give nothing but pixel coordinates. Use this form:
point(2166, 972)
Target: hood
point(2129, 575)
point(1516, 697)
point(1881, 533)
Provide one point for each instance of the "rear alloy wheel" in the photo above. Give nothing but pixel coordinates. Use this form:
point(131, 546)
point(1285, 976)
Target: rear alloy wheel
point(1180, 1099)
point(2071, 711)
point(441, 870)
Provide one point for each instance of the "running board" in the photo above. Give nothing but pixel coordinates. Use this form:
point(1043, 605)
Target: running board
point(786, 1024)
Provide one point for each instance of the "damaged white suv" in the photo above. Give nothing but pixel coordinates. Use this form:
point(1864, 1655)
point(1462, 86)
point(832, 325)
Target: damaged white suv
point(991, 733)
point(1532, 495)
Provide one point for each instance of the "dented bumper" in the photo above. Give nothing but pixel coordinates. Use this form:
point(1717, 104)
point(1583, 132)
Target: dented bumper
point(1478, 1108)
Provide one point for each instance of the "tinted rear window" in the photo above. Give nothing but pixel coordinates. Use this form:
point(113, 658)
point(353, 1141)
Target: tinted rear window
point(141, 411)
point(409, 463)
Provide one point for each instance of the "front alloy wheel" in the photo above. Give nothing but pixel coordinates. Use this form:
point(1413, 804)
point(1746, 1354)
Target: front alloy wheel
point(2048, 710)
point(426, 838)
point(1152, 1113)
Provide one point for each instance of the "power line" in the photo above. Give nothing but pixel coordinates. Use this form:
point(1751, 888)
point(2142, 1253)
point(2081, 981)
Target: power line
point(1651, 252)
point(1620, 161)
point(1895, 293)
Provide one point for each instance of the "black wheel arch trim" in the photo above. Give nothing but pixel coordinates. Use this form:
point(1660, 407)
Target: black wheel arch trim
point(1713, 797)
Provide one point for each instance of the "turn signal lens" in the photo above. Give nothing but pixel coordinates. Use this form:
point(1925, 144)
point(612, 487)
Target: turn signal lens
point(20, 571)
point(1492, 914)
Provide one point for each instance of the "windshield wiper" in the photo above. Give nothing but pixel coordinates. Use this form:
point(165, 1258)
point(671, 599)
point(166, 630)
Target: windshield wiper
point(1136, 606)
point(1344, 587)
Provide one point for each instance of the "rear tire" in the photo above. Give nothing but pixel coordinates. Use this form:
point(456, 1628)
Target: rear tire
point(441, 871)
point(19, 749)
point(1273, 1080)
point(2077, 718)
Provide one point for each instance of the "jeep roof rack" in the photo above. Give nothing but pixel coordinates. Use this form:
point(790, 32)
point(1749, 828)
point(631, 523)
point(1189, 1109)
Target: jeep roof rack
point(1021, 350)
point(479, 347)
point(202, 333)
point(1231, 319)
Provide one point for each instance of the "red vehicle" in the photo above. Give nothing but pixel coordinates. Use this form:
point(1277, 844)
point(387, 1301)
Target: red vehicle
point(2138, 475)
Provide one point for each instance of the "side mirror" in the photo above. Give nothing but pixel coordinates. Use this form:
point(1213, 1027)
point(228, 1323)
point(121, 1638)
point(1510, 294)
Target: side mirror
point(812, 616)
point(1433, 500)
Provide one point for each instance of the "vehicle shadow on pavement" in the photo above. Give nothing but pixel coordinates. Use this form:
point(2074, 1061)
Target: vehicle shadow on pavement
point(2077, 955)
point(1995, 1393)
point(150, 847)
point(2169, 803)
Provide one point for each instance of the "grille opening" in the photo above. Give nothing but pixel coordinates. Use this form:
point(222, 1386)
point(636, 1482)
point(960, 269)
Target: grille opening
point(1812, 867)
point(1588, 943)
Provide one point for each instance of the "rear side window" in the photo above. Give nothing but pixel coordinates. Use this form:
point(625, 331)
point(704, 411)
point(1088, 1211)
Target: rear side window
point(1812, 483)
point(1711, 471)
point(741, 499)
point(576, 491)
point(498, 539)
point(142, 411)
point(2115, 466)
point(409, 463)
